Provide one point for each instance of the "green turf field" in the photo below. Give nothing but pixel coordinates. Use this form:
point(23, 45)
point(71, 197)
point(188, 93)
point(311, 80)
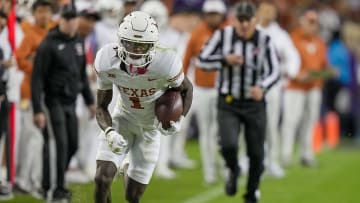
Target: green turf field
point(336, 180)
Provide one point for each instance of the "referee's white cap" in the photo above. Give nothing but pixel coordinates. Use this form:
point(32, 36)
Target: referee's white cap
point(214, 6)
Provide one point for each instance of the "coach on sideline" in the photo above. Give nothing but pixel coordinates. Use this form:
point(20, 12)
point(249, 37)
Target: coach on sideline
point(60, 75)
point(248, 67)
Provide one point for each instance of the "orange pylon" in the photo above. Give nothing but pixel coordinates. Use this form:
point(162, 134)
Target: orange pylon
point(318, 138)
point(332, 129)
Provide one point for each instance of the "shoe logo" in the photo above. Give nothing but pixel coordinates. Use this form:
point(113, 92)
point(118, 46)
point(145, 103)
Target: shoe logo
point(151, 79)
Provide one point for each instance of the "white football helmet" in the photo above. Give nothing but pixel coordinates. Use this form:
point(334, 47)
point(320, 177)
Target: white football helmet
point(138, 35)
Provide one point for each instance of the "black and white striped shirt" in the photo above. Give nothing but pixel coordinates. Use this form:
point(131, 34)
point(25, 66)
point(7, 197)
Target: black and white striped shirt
point(260, 67)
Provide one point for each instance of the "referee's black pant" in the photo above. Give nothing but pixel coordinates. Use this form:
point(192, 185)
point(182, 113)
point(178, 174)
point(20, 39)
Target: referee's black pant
point(64, 125)
point(253, 115)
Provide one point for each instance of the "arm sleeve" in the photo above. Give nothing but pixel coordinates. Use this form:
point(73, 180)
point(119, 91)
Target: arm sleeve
point(86, 91)
point(211, 57)
point(23, 54)
point(42, 64)
point(291, 57)
point(272, 74)
point(102, 82)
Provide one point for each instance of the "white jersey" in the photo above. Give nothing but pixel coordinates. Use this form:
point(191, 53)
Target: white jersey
point(285, 48)
point(139, 91)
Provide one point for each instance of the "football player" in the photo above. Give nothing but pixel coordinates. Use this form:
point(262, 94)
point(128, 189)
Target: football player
point(142, 72)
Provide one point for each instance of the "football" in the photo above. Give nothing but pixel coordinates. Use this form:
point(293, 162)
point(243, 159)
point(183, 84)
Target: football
point(169, 107)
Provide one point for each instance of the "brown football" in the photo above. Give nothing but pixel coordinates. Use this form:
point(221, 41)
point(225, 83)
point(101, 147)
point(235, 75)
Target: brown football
point(169, 107)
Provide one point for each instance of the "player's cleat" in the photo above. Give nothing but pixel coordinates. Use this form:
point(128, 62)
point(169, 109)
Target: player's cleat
point(274, 170)
point(310, 163)
point(252, 198)
point(231, 183)
point(38, 194)
point(250, 201)
point(6, 191)
point(77, 176)
point(286, 162)
point(61, 194)
point(210, 180)
point(20, 189)
point(182, 163)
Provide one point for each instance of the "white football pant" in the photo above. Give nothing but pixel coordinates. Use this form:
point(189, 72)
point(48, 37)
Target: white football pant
point(143, 147)
point(30, 151)
point(88, 142)
point(273, 102)
point(301, 111)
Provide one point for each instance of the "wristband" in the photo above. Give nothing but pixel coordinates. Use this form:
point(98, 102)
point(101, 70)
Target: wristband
point(108, 129)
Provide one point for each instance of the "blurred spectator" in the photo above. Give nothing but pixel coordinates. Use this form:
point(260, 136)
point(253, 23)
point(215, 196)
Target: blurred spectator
point(111, 12)
point(63, 52)
point(23, 9)
point(5, 6)
point(174, 34)
point(172, 148)
point(337, 90)
point(181, 6)
point(302, 96)
point(88, 129)
point(158, 11)
point(130, 6)
point(87, 19)
point(204, 106)
point(29, 169)
point(14, 75)
point(290, 65)
point(329, 21)
point(5, 187)
point(10, 38)
point(176, 37)
point(351, 36)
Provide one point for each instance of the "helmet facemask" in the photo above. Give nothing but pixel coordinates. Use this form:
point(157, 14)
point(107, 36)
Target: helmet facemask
point(136, 53)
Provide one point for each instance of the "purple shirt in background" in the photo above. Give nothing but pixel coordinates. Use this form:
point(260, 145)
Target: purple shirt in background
point(189, 6)
point(354, 87)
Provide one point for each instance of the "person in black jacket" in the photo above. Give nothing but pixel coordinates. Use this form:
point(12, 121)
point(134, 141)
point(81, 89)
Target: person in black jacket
point(59, 75)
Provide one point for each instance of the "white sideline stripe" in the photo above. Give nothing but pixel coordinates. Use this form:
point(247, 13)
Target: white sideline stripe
point(206, 196)
point(211, 194)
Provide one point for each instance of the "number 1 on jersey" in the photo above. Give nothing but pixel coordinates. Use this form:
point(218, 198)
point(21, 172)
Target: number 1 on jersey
point(136, 103)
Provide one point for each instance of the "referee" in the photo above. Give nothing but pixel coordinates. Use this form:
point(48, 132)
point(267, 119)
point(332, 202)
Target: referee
point(248, 67)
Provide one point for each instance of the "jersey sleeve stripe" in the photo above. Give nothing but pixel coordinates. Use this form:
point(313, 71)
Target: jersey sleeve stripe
point(176, 76)
point(97, 73)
